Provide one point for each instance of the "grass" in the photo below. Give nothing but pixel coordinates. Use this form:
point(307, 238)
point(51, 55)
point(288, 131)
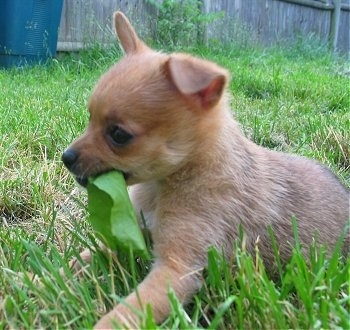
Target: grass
point(294, 100)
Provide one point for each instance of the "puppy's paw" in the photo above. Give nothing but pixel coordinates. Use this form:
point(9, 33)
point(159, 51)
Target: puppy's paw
point(79, 265)
point(119, 316)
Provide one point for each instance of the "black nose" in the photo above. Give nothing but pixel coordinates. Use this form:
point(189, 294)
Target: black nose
point(69, 157)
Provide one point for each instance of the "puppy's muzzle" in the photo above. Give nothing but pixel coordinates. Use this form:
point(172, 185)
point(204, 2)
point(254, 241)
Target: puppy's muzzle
point(70, 160)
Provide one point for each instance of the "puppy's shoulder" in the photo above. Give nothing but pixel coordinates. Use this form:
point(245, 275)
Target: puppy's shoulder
point(144, 198)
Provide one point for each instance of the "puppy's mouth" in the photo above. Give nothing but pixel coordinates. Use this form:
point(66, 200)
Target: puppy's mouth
point(83, 180)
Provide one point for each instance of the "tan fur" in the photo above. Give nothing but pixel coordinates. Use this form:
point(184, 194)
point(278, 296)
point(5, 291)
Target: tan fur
point(193, 173)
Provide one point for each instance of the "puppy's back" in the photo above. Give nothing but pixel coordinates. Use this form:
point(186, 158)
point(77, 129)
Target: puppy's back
point(300, 188)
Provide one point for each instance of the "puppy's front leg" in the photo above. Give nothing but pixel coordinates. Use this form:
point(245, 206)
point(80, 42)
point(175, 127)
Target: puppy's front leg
point(153, 291)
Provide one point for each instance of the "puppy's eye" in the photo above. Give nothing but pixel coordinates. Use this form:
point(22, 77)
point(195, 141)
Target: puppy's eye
point(119, 136)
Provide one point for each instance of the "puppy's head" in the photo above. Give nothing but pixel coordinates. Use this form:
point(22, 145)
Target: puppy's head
point(149, 114)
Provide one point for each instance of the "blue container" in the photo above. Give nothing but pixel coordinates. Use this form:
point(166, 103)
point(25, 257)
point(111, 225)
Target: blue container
point(28, 31)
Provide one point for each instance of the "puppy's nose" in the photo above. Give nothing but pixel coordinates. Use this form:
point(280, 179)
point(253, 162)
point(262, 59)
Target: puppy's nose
point(69, 157)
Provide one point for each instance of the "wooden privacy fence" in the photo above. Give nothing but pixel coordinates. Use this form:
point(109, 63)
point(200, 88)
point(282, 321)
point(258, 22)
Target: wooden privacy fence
point(265, 21)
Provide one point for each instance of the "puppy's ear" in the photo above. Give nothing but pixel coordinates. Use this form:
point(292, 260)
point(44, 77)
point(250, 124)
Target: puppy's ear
point(127, 35)
point(201, 82)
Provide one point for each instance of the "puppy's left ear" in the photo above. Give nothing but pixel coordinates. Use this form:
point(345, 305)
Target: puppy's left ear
point(128, 38)
point(202, 83)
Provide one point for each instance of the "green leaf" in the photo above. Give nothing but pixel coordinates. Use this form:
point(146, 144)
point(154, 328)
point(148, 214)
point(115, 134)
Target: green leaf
point(112, 215)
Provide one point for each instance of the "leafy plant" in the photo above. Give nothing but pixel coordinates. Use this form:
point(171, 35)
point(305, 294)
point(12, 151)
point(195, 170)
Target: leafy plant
point(180, 23)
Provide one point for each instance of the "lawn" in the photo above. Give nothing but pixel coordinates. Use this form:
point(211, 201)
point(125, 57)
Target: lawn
point(294, 100)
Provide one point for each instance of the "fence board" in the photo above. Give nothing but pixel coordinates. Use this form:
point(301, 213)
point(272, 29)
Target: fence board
point(87, 21)
point(265, 21)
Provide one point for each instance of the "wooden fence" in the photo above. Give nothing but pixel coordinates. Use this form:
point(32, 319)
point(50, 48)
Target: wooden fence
point(265, 21)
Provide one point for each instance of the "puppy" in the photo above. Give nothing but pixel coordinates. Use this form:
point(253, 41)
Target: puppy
point(165, 122)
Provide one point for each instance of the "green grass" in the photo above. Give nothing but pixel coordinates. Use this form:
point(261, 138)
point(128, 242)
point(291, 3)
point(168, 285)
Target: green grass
point(294, 100)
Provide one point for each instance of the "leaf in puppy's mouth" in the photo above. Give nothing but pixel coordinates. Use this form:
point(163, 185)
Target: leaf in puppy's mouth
point(84, 180)
point(112, 215)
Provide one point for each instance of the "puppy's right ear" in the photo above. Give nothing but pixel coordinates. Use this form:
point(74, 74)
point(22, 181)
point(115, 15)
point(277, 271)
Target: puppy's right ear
point(128, 38)
point(200, 82)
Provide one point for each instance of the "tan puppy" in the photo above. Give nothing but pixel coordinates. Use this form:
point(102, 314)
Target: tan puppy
point(165, 121)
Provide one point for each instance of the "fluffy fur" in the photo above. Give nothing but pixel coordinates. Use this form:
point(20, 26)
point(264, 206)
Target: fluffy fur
point(193, 173)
